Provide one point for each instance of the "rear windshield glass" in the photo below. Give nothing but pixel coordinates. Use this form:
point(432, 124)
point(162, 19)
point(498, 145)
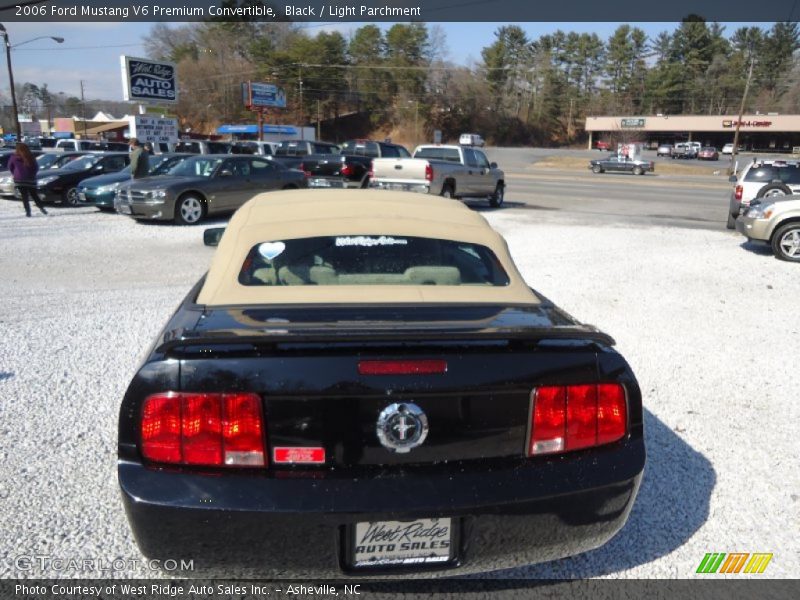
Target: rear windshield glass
point(371, 260)
point(361, 149)
point(761, 174)
point(447, 154)
point(292, 149)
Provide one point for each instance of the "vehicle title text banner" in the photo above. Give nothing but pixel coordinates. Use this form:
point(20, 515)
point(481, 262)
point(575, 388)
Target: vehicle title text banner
point(333, 11)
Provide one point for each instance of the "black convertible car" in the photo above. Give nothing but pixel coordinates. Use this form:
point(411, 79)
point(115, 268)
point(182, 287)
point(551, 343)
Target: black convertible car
point(354, 390)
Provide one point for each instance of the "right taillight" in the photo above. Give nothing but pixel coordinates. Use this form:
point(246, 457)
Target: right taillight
point(738, 193)
point(571, 417)
point(428, 172)
point(204, 429)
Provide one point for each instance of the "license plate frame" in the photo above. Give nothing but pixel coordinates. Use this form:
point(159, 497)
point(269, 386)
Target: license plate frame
point(436, 557)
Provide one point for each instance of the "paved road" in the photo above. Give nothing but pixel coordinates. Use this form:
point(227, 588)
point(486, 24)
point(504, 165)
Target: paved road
point(582, 197)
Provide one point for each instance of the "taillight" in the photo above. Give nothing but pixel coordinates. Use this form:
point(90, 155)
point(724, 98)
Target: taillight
point(302, 167)
point(347, 170)
point(402, 367)
point(429, 172)
point(738, 193)
point(210, 429)
point(572, 417)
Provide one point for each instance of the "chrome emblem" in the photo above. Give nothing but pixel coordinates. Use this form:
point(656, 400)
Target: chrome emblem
point(402, 427)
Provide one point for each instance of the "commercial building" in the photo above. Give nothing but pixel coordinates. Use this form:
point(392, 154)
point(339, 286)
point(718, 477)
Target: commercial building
point(770, 132)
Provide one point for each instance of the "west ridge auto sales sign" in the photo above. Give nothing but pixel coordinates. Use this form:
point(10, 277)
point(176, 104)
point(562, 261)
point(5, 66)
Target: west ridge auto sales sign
point(148, 81)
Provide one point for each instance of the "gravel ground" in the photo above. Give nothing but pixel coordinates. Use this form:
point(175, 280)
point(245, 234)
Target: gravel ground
point(709, 326)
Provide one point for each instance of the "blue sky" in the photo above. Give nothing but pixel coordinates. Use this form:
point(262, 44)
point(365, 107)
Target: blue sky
point(91, 51)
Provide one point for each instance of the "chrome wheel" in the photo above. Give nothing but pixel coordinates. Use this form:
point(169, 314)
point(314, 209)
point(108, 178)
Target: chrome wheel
point(773, 193)
point(790, 244)
point(190, 210)
point(72, 196)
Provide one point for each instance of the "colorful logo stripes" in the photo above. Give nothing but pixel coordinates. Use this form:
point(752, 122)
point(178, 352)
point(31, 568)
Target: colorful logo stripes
point(734, 562)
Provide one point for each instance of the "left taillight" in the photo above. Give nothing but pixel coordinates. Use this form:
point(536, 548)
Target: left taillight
point(572, 417)
point(203, 429)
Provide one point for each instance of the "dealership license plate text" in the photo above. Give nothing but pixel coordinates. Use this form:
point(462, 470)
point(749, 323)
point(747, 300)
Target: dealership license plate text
point(402, 542)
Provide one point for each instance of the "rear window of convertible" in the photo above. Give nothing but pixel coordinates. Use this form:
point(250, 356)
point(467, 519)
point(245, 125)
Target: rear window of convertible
point(371, 260)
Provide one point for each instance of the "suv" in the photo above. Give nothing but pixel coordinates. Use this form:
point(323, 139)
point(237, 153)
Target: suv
point(775, 222)
point(471, 139)
point(664, 150)
point(762, 179)
point(202, 147)
point(684, 150)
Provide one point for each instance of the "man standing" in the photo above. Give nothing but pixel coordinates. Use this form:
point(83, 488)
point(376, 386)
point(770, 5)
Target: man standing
point(140, 165)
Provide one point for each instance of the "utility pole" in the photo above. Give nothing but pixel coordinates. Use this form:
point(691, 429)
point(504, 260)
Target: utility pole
point(300, 80)
point(741, 113)
point(4, 33)
point(83, 110)
point(319, 137)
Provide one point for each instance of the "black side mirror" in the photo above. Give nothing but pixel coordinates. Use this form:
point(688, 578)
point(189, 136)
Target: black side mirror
point(733, 179)
point(493, 165)
point(212, 236)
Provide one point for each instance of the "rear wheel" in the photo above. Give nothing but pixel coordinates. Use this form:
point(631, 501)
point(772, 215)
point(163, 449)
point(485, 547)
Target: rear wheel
point(70, 196)
point(189, 210)
point(731, 224)
point(448, 191)
point(638, 171)
point(497, 198)
point(786, 242)
point(597, 169)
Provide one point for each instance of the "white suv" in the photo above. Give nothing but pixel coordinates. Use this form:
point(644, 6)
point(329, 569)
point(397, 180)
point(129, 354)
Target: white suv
point(762, 179)
point(470, 139)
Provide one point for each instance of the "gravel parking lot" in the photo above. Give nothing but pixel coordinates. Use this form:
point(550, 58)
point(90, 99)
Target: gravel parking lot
point(711, 328)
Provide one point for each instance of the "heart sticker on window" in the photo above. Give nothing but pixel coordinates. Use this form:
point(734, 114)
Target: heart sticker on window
point(270, 250)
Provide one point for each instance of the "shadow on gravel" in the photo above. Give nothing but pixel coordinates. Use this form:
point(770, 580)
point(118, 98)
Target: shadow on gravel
point(4, 375)
point(673, 503)
point(756, 248)
point(215, 221)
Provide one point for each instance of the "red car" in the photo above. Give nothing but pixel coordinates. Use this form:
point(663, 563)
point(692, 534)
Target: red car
point(600, 145)
point(708, 153)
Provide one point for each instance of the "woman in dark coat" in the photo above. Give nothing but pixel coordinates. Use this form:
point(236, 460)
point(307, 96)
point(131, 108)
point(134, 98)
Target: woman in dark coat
point(23, 168)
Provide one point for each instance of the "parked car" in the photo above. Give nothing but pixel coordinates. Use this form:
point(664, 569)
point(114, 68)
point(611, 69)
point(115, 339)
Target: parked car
point(293, 148)
point(352, 167)
point(378, 389)
point(450, 171)
point(471, 139)
point(77, 145)
point(204, 185)
point(254, 147)
point(46, 161)
point(684, 150)
point(100, 191)
point(664, 150)
point(708, 153)
point(603, 145)
point(761, 179)
point(202, 147)
point(61, 185)
point(727, 149)
point(621, 164)
point(774, 221)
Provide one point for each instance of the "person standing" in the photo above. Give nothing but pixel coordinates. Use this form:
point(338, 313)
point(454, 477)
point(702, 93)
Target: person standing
point(140, 164)
point(148, 147)
point(23, 168)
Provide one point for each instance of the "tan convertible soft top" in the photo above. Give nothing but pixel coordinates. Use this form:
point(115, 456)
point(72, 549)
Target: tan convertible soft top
point(297, 214)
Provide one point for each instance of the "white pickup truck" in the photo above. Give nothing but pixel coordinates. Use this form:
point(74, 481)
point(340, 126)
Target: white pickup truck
point(449, 171)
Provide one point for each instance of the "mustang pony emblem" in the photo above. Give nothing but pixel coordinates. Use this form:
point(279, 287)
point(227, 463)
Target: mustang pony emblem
point(402, 427)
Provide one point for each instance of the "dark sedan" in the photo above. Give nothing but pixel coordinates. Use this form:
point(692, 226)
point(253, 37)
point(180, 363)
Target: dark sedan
point(204, 185)
point(61, 185)
point(363, 383)
point(621, 164)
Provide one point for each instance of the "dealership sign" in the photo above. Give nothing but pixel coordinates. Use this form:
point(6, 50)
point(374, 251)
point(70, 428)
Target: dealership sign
point(154, 129)
point(263, 95)
point(145, 80)
point(631, 123)
point(733, 123)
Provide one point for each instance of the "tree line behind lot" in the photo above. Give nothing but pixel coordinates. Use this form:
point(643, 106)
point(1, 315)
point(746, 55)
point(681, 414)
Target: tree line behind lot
point(521, 90)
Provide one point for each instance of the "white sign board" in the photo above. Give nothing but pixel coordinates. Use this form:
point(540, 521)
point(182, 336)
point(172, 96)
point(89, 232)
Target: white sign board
point(145, 80)
point(154, 129)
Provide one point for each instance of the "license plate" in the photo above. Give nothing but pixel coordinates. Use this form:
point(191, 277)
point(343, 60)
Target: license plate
point(387, 543)
point(82, 196)
point(319, 183)
point(125, 209)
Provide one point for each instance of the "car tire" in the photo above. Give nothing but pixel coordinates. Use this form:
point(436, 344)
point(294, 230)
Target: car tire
point(731, 224)
point(189, 209)
point(289, 186)
point(70, 196)
point(106, 209)
point(597, 169)
point(496, 199)
point(448, 191)
point(785, 242)
point(774, 189)
point(638, 171)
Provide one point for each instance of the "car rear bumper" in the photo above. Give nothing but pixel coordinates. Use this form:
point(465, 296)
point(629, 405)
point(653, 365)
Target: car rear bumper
point(422, 188)
point(297, 525)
